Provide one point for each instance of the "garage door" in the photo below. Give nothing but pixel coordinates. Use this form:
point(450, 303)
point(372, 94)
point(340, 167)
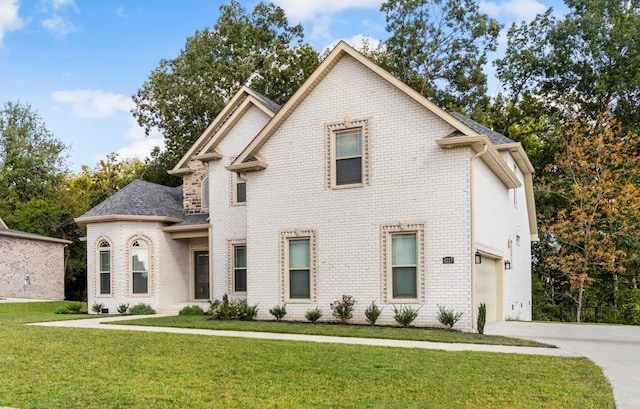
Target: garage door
point(489, 287)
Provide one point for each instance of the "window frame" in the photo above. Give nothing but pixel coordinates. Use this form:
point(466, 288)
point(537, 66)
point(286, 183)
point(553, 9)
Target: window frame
point(333, 131)
point(234, 180)
point(104, 244)
point(232, 268)
point(387, 233)
point(205, 193)
point(285, 271)
point(131, 271)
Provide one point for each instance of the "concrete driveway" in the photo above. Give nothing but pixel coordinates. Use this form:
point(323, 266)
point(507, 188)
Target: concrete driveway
point(615, 348)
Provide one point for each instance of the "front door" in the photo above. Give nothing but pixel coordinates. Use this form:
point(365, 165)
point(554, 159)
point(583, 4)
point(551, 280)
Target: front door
point(201, 271)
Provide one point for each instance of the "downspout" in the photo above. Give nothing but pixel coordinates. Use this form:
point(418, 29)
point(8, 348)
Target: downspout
point(485, 147)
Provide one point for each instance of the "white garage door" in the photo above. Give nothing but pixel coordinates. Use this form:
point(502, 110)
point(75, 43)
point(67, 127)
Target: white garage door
point(489, 287)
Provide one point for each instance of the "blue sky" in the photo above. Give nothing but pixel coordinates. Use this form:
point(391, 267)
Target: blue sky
point(77, 62)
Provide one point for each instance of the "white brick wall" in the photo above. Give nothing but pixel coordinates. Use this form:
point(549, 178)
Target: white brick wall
point(169, 278)
point(411, 179)
point(229, 221)
point(498, 221)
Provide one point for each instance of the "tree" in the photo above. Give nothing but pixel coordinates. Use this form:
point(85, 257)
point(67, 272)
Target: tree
point(259, 49)
point(587, 62)
point(110, 175)
point(595, 175)
point(439, 48)
point(32, 161)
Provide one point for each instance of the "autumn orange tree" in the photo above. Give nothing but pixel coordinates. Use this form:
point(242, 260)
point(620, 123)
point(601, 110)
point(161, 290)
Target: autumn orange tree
point(594, 232)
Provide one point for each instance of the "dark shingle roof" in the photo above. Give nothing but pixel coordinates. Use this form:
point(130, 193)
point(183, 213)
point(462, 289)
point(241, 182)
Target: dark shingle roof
point(272, 105)
point(193, 220)
point(140, 198)
point(495, 137)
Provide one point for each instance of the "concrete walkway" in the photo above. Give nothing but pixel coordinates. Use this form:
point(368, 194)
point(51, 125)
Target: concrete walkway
point(98, 323)
point(615, 348)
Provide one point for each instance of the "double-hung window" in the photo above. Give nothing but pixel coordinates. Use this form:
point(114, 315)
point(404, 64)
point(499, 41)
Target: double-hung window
point(404, 262)
point(239, 268)
point(140, 267)
point(241, 190)
point(404, 265)
point(299, 268)
point(104, 255)
point(348, 154)
point(349, 157)
point(205, 193)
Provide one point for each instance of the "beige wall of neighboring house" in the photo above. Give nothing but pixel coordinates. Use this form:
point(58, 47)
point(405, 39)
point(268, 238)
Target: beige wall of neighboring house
point(39, 257)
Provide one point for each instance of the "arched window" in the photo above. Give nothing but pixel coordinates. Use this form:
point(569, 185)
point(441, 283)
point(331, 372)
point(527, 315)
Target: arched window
point(140, 266)
point(104, 260)
point(205, 193)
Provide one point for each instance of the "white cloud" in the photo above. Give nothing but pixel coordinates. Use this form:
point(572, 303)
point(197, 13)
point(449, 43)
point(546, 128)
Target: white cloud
point(93, 103)
point(513, 9)
point(58, 4)
point(358, 41)
point(140, 145)
point(9, 19)
point(58, 25)
point(297, 10)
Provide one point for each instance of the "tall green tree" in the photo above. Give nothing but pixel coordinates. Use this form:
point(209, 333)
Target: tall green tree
point(32, 160)
point(586, 62)
point(258, 48)
point(439, 48)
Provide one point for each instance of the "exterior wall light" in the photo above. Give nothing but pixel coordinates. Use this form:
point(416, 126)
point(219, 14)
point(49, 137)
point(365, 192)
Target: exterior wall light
point(478, 257)
point(507, 265)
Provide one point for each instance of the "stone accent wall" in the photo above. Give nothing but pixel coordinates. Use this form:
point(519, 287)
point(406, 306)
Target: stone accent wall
point(192, 187)
point(44, 261)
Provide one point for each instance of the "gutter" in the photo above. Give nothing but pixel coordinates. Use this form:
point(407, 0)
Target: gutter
point(484, 150)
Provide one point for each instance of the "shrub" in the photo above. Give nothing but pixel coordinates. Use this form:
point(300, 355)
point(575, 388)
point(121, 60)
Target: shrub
point(342, 309)
point(97, 307)
point(448, 317)
point(63, 309)
point(191, 310)
point(372, 312)
point(482, 317)
point(228, 309)
point(314, 314)
point(142, 309)
point(405, 315)
point(279, 311)
point(122, 308)
point(74, 307)
point(250, 312)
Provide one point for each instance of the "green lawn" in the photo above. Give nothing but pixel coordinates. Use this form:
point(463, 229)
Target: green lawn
point(358, 331)
point(44, 367)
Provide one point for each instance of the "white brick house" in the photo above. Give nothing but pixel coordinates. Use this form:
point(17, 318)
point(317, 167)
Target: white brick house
point(357, 185)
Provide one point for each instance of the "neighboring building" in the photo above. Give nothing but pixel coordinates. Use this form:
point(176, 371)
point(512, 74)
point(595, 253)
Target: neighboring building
point(357, 185)
point(31, 265)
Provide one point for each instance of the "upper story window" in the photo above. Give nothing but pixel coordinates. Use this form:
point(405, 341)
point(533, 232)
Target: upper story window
point(237, 188)
point(349, 157)
point(140, 266)
point(205, 193)
point(348, 152)
point(104, 257)
point(241, 190)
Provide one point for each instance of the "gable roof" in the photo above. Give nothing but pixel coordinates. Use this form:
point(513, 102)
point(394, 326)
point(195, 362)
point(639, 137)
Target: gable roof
point(139, 200)
point(341, 50)
point(7, 232)
point(205, 147)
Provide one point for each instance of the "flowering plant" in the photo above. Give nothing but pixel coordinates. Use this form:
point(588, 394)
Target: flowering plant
point(342, 309)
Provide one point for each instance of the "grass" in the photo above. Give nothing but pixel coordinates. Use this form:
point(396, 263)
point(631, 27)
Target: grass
point(358, 331)
point(46, 367)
